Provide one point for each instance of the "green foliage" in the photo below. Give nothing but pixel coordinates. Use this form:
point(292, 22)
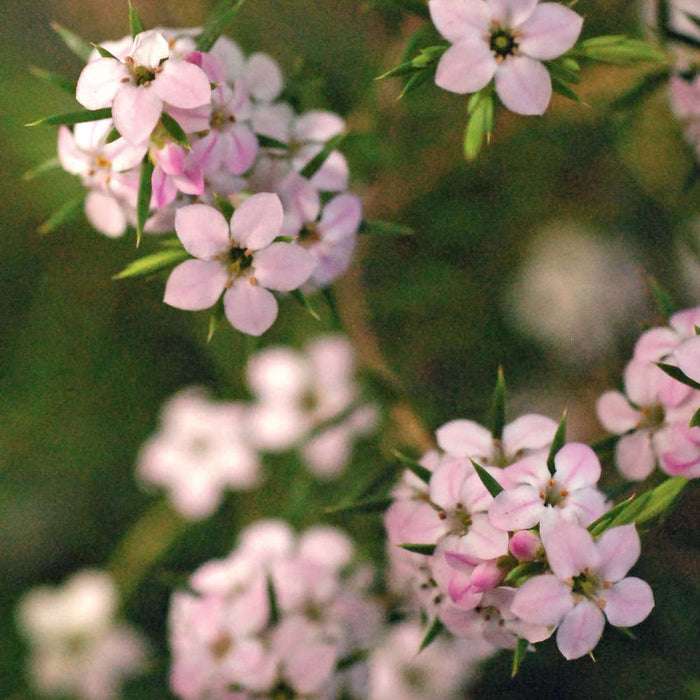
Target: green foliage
point(217, 24)
point(65, 214)
point(435, 629)
point(618, 49)
point(154, 262)
point(81, 48)
point(491, 485)
point(518, 656)
point(143, 203)
point(426, 549)
point(135, 24)
point(314, 165)
point(69, 118)
point(65, 84)
point(174, 130)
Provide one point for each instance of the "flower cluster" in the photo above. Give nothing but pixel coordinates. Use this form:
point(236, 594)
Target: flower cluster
point(310, 401)
point(276, 616)
point(207, 127)
point(504, 41)
point(459, 541)
point(653, 416)
point(78, 648)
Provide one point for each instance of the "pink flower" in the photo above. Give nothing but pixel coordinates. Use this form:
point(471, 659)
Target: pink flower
point(242, 259)
point(137, 86)
point(109, 170)
point(199, 450)
point(687, 356)
point(586, 585)
point(571, 489)
point(505, 40)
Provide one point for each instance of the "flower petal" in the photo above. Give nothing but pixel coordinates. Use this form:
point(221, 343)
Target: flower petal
point(580, 630)
point(283, 266)
point(543, 600)
point(241, 149)
point(466, 67)
point(150, 48)
point(263, 77)
point(257, 221)
point(587, 504)
point(615, 413)
point(523, 85)
point(341, 217)
point(619, 549)
point(460, 19)
point(317, 125)
point(569, 546)
point(634, 455)
point(529, 432)
point(464, 438)
point(105, 213)
point(202, 230)
point(577, 466)
point(99, 81)
point(511, 13)
point(516, 509)
point(136, 111)
point(687, 355)
point(182, 84)
point(195, 285)
point(250, 308)
point(551, 30)
point(628, 602)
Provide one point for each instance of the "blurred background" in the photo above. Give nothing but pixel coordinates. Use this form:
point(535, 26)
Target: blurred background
point(537, 257)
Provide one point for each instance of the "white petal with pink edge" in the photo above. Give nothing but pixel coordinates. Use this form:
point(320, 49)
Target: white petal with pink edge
point(543, 600)
point(577, 466)
point(136, 111)
point(182, 84)
point(516, 509)
point(99, 81)
point(529, 432)
point(628, 602)
point(464, 438)
point(619, 549)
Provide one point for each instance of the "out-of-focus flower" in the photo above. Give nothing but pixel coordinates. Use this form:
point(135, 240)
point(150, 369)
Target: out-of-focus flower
point(77, 646)
point(278, 610)
point(685, 103)
point(503, 40)
point(199, 451)
point(311, 400)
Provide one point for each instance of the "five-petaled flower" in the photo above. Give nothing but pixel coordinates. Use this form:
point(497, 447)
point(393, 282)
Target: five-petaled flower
point(247, 263)
point(505, 40)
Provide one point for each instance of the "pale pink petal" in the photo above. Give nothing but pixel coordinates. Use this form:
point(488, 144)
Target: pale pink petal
point(73, 160)
point(283, 266)
point(182, 84)
point(516, 509)
point(577, 466)
point(523, 85)
point(461, 592)
point(332, 176)
point(687, 355)
point(531, 470)
point(250, 308)
point(124, 155)
point(413, 522)
point(580, 630)
point(257, 221)
point(136, 111)
point(105, 213)
point(464, 438)
point(163, 189)
point(241, 149)
point(671, 393)
point(191, 120)
point(90, 136)
point(529, 432)
point(464, 623)
point(619, 549)
point(641, 382)
point(99, 81)
point(543, 600)
point(615, 413)
point(301, 199)
point(655, 344)
point(467, 67)
point(569, 546)
point(262, 77)
point(341, 217)
point(447, 481)
point(587, 504)
point(628, 602)
point(524, 545)
point(150, 48)
point(202, 230)
point(195, 285)
point(684, 322)
point(317, 125)
point(487, 575)
point(483, 541)
point(634, 455)
point(551, 30)
point(460, 19)
point(191, 181)
point(511, 13)
point(170, 158)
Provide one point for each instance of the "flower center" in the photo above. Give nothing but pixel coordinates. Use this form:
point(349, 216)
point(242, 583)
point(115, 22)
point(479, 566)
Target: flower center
point(219, 119)
point(238, 261)
point(652, 417)
point(309, 235)
point(503, 43)
point(554, 495)
point(141, 75)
